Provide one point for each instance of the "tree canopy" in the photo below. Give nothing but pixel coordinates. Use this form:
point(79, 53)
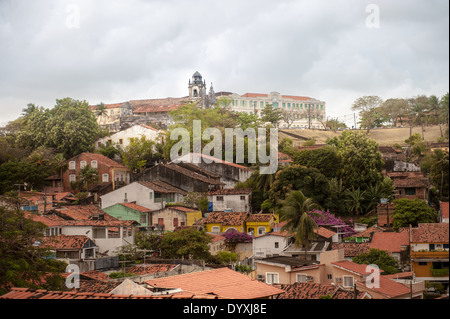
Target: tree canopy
point(22, 262)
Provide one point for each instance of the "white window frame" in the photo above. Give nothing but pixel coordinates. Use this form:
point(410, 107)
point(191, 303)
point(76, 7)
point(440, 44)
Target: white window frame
point(94, 164)
point(301, 275)
point(272, 278)
point(215, 229)
point(72, 165)
point(72, 178)
point(83, 164)
point(105, 178)
point(344, 281)
point(261, 230)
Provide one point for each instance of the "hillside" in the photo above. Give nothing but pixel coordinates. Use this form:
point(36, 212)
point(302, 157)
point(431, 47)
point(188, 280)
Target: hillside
point(384, 137)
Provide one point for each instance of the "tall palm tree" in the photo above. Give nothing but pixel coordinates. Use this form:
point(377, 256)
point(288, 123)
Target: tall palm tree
point(294, 211)
point(355, 198)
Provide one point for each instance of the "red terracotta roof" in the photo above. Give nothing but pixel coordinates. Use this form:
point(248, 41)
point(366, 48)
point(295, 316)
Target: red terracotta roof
point(222, 282)
point(42, 219)
point(80, 212)
point(259, 218)
point(306, 290)
point(390, 241)
point(99, 158)
point(65, 241)
point(369, 231)
point(360, 269)
point(94, 275)
point(410, 182)
point(137, 207)
point(430, 233)
point(231, 191)
point(226, 218)
point(162, 187)
point(324, 232)
point(215, 237)
point(352, 249)
point(151, 268)
point(388, 287)
point(183, 209)
point(298, 98)
point(149, 127)
point(444, 209)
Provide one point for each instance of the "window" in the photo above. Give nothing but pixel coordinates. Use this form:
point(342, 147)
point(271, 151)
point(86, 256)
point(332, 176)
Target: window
point(175, 222)
point(72, 178)
point(301, 277)
point(150, 195)
point(272, 278)
point(82, 164)
point(215, 229)
point(120, 141)
point(329, 276)
point(219, 198)
point(410, 191)
point(348, 281)
point(72, 165)
point(277, 244)
point(261, 230)
point(94, 164)
point(161, 221)
point(105, 178)
point(143, 219)
point(242, 197)
point(431, 247)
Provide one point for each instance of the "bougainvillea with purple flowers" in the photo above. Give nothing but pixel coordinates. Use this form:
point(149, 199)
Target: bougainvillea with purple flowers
point(233, 236)
point(326, 218)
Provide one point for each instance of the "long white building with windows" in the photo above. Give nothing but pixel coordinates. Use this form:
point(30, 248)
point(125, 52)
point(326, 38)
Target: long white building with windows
point(299, 111)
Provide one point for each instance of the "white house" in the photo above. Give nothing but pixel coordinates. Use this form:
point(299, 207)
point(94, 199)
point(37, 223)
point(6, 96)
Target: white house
point(234, 199)
point(152, 195)
point(270, 244)
point(107, 234)
point(122, 138)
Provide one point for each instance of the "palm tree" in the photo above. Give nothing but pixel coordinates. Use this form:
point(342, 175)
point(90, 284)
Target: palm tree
point(294, 211)
point(355, 198)
point(419, 107)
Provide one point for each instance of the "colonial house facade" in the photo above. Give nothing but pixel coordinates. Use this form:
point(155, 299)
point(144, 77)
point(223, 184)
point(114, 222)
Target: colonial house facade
point(152, 195)
point(123, 138)
point(109, 171)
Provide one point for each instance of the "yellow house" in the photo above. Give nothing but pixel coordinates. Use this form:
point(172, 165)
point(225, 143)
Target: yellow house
point(220, 222)
point(260, 224)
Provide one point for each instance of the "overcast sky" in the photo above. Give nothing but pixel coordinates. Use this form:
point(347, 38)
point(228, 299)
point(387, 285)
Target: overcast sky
point(114, 51)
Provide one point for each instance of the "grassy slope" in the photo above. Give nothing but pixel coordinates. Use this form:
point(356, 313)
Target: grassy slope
point(384, 137)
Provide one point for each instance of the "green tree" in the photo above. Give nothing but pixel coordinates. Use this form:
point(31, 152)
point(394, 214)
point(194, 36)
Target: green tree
point(185, 243)
point(419, 108)
point(138, 154)
point(70, 127)
point(380, 258)
point(394, 110)
point(360, 158)
point(355, 200)
point(412, 212)
point(437, 164)
point(310, 181)
point(299, 223)
point(271, 115)
point(325, 159)
point(368, 107)
point(22, 262)
point(23, 172)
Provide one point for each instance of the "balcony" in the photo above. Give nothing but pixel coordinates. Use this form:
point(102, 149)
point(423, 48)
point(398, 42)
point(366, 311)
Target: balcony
point(442, 254)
